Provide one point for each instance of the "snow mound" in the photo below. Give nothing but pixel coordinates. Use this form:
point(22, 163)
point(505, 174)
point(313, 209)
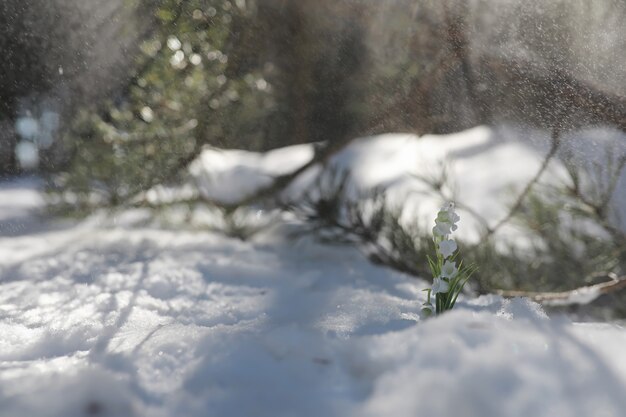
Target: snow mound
point(229, 176)
point(486, 168)
point(484, 365)
point(101, 319)
point(147, 322)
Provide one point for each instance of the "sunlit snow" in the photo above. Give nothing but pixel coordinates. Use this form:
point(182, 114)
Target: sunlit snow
point(109, 318)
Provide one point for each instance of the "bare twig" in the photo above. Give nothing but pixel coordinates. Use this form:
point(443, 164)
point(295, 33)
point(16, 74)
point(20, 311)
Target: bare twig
point(599, 206)
point(278, 183)
point(520, 198)
point(490, 230)
point(437, 186)
point(580, 295)
point(281, 182)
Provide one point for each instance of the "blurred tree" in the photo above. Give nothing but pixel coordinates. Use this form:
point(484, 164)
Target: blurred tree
point(178, 99)
point(244, 74)
point(59, 55)
point(22, 73)
point(313, 55)
point(260, 74)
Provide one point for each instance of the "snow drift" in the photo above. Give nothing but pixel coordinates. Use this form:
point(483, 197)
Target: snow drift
point(102, 318)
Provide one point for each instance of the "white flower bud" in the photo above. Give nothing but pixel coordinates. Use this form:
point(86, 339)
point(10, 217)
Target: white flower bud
point(449, 270)
point(447, 248)
point(440, 285)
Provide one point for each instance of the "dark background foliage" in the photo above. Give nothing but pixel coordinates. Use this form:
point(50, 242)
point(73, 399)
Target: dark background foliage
point(304, 71)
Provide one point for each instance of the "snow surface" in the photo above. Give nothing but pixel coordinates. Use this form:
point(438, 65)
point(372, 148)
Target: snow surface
point(19, 205)
point(111, 318)
point(231, 175)
point(486, 168)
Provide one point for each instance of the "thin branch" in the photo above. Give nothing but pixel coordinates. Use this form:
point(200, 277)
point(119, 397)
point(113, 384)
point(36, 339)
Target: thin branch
point(580, 295)
point(436, 186)
point(522, 196)
point(278, 183)
point(281, 182)
point(598, 209)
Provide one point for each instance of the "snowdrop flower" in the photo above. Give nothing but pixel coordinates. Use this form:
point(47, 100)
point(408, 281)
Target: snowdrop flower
point(454, 218)
point(442, 216)
point(442, 230)
point(448, 270)
point(445, 222)
point(449, 207)
point(440, 286)
point(448, 279)
point(447, 248)
point(448, 215)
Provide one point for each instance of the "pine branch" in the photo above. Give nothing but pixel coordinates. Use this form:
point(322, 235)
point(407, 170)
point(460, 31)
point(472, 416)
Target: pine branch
point(522, 196)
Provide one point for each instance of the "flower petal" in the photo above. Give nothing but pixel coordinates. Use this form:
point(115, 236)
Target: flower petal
point(448, 270)
point(441, 229)
point(447, 247)
point(440, 286)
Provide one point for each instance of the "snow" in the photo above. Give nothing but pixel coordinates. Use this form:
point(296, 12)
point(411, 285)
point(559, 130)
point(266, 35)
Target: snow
point(486, 169)
point(113, 317)
point(18, 205)
point(484, 365)
point(231, 175)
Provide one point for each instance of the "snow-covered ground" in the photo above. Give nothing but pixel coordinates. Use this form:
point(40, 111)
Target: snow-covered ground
point(107, 318)
point(484, 169)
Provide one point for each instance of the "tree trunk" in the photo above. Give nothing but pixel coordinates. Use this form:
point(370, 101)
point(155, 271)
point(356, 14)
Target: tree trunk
point(8, 163)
